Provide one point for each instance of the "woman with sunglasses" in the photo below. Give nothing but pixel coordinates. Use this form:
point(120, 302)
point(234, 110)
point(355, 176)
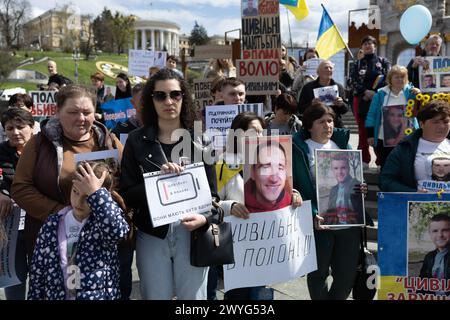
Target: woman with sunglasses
point(163, 253)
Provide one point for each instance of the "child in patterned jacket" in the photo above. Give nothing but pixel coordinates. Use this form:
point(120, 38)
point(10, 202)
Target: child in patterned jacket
point(75, 257)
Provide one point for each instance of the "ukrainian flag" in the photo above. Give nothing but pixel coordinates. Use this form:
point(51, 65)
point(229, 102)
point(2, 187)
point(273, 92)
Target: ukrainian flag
point(298, 7)
point(329, 40)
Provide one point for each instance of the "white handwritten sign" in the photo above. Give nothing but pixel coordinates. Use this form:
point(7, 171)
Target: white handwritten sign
point(271, 247)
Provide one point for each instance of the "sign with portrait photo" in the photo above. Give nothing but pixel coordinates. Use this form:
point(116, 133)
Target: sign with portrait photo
point(394, 125)
point(172, 196)
point(413, 246)
point(435, 75)
point(433, 171)
point(8, 275)
point(268, 173)
point(327, 94)
point(338, 176)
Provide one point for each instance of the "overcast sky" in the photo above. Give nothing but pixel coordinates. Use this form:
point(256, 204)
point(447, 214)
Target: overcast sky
point(217, 16)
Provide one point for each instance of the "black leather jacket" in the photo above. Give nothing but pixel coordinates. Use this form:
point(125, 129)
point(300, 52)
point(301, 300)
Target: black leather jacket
point(143, 153)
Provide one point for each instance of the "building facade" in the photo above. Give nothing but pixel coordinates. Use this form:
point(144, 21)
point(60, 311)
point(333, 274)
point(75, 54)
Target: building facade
point(157, 36)
point(56, 30)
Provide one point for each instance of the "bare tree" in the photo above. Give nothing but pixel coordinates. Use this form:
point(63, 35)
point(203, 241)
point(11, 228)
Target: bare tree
point(12, 15)
point(88, 36)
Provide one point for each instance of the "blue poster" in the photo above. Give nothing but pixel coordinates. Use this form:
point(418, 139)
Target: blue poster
point(116, 111)
point(407, 247)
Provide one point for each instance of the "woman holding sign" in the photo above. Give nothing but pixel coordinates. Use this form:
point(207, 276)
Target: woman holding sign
point(386, 122)
point(163, 253)
point(337, 249)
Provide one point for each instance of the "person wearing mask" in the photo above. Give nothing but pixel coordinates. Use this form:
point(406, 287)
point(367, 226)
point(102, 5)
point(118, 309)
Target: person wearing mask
point(18, 124)
point(379, 129)
point(369, 75)
point(324, 79)
point(432, 48)
point(162, 253)
point(123, 87)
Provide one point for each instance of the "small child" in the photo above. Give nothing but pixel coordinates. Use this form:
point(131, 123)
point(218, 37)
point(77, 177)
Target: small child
point(75, 257)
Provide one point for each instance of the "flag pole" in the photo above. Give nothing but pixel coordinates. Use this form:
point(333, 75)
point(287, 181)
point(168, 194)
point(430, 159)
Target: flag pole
point(340, 35)
point(289, 28)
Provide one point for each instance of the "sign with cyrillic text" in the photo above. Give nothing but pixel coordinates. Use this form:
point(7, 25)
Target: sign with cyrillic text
point(435, 76)
point(170, 197)
point(44, 103)
point(116, 111)
point(260, 76)
point(271, 247)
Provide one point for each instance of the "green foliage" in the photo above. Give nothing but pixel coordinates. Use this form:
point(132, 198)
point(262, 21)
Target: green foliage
point(198, 36)
point(420, 214)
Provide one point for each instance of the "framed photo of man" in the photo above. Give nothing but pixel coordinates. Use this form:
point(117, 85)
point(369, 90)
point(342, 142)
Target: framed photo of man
point(338, 178)
point(394, 125)
point(429, 243)
point(268, 173)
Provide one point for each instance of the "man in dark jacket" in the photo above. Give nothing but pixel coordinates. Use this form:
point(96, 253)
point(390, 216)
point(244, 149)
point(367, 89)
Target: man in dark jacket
point(55, 77)
point(324, 79)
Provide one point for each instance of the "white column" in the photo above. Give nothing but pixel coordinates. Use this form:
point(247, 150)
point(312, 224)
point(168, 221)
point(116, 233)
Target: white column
point(143, 39)
point(169, 41)
point(177, 45)
point(135, 39)
point(162, 40)
point(153, 39)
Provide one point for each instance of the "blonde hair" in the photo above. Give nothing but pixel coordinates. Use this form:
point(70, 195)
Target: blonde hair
point(397, 70)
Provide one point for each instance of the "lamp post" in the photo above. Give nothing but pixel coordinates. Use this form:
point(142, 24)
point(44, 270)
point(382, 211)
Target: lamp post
point(76, 57)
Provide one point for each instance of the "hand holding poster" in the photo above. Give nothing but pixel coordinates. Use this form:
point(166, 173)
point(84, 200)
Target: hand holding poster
point(170, 197)
point(338, 174)
point(327, 94)
point(271, 247)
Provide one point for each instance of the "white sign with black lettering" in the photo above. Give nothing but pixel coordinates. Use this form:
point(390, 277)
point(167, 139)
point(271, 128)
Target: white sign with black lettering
point(170, 197)
point(271, 247)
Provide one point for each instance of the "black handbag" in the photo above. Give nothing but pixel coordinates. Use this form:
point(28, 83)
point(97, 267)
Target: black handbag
point(212, 245)
point(361, 290)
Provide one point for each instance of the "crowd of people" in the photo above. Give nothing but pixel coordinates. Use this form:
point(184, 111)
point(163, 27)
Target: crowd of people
point(79, 214)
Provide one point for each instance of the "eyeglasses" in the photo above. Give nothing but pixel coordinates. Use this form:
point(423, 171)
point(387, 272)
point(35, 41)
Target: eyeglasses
point(175, 95)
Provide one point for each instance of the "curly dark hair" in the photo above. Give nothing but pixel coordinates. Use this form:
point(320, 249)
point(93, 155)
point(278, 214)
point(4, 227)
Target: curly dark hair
point(149, 115)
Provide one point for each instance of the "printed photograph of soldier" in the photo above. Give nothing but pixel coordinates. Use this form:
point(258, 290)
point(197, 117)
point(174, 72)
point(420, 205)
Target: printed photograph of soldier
point(445, 80)
point(339, 176)
point(428, 81)
point(440, 169)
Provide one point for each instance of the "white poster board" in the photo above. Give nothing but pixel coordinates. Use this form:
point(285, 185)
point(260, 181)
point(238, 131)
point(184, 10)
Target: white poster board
point(271, 247)
point(327, 94)
point(218, 119)
point(8, 276)
point(44, 103)
point(311, 66)
point(436, 78)
point(170, 197)
point(139, 61)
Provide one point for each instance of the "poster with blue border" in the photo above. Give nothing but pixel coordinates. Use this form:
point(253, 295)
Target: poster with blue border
point(403, 227)
point(116, 111)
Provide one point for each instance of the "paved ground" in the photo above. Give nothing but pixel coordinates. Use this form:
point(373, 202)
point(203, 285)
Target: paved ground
point(292, 290)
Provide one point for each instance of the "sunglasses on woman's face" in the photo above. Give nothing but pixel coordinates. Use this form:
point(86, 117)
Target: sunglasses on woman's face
point(175, 95)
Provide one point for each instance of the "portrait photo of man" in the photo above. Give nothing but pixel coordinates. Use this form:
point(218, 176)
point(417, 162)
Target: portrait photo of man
point(428, 82)
point(344, 204)
point(250, 8)
point(436, 263)
point(269, 186)
point(445, 81)
point(440, 169)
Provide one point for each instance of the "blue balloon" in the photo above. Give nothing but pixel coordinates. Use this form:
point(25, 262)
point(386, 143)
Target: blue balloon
point(415, 23)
